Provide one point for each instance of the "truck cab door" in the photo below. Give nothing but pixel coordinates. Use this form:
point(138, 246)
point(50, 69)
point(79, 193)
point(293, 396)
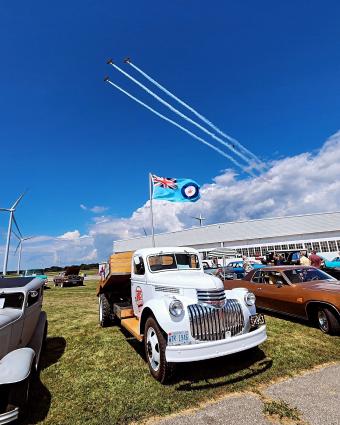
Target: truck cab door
point(138, 284)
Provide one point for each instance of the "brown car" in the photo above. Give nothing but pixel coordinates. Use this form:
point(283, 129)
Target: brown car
point(304, 292)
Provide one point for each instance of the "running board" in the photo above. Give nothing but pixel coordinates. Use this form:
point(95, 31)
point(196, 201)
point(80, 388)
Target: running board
point(132, 326)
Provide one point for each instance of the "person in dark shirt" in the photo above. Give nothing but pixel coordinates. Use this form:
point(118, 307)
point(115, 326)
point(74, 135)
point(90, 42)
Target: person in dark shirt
point(315, 260)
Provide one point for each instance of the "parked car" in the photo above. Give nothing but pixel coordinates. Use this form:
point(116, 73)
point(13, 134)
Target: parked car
point(23, 329)
point(36, 273)
point(304, 292)
point(333, 263)
point(69, 277)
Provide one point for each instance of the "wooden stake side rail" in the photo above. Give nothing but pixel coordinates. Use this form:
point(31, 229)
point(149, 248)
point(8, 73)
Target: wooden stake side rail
point(120, 271)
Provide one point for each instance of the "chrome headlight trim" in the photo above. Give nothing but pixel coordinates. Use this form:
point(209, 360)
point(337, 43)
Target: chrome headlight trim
point(249, 298)
point(176, 308)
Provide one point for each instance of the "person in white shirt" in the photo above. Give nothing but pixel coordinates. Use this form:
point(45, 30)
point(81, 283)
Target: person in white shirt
point(304, 260)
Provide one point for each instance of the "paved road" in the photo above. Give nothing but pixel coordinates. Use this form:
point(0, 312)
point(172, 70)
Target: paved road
point(315, 394)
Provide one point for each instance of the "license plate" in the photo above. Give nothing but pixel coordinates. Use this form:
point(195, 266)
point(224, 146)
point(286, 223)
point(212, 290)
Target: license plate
point(257, 319)
point(178, 338)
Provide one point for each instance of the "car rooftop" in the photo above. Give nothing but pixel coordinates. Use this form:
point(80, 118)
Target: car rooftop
point(15, 282)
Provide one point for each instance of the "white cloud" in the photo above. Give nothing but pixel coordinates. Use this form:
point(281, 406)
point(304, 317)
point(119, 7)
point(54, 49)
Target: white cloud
point(97, 209)
point(304, 183)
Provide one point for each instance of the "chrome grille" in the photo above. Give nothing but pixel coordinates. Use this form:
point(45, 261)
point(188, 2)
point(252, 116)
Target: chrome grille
point(208, 323)
point(214, 297)
point(167, 289)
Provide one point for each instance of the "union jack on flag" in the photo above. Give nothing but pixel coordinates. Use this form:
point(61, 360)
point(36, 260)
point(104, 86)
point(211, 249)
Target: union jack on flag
point(164, 182)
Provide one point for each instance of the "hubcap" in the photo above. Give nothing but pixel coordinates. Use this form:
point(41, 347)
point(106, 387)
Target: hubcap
point(323, 321)
point(152, 345)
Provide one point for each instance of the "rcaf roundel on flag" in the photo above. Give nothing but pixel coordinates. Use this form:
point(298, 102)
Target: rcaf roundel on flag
point(175, 190)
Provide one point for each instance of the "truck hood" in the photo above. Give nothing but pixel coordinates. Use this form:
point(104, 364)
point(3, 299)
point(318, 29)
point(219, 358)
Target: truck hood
point(186, 279)
point(322, 285)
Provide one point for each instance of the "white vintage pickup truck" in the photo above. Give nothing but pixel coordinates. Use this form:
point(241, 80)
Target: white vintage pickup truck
point(180, 313)
point(23, 329)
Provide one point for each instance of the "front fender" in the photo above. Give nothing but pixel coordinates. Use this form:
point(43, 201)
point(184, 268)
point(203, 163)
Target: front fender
point(16, 365)
point(159, 308)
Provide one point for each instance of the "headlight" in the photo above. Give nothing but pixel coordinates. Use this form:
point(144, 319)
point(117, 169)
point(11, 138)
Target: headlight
point(249, 298)
point(176, 308)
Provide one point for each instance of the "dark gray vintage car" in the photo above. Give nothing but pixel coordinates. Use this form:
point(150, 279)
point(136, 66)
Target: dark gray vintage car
point(23, 329)
point(69, 277)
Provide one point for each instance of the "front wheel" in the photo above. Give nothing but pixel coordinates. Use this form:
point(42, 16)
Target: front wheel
point(328, 323)
point(155, 345)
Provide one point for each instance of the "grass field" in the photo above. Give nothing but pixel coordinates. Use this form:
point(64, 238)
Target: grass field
point(92, 375)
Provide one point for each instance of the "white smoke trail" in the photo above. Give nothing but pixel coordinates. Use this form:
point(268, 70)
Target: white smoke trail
point(244, 169)
point(185, 117)
point(195, 112)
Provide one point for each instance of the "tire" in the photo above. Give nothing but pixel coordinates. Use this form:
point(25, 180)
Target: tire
point(327, 322)
point(155, 345)
point(105, 311)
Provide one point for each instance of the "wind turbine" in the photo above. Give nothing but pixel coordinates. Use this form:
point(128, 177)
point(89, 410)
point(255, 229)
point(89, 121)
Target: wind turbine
point(9, 231)
point(19, 247)
point(200, 219)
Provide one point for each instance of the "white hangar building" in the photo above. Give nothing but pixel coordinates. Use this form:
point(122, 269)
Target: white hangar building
point(319, 231)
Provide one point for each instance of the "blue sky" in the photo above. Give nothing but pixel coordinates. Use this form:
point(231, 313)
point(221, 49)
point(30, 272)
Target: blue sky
point(265, 72)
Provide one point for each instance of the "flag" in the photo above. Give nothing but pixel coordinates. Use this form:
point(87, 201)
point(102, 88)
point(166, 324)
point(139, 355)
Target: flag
point(175, 190)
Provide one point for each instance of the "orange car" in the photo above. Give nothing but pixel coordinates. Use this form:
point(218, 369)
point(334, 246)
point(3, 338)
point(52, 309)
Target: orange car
point(304, 292)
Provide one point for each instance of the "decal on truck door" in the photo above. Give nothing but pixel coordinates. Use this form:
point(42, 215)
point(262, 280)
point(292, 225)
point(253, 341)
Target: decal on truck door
point(139, 297)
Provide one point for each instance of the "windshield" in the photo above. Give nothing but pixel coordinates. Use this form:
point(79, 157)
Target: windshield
point(34, 272)
point(307, 275)
point(181, 261)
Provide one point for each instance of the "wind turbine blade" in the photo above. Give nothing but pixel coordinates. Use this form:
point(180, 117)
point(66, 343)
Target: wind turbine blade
point(5, 209)
point(17, 201)
point(18, 237)
point(16, 225)
point(18, 246)
point(29, 237)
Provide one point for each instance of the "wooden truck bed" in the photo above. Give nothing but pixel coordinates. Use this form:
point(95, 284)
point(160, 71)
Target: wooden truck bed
point(119, 275)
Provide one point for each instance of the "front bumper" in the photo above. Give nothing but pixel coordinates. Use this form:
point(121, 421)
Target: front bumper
point(212, 349)
point(8, 417)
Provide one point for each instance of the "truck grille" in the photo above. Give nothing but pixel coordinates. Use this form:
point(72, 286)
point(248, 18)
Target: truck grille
point(215, 297)
point(210, 324)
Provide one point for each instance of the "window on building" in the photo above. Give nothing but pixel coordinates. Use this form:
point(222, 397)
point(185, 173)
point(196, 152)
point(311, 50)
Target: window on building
point(271, 248)
point(264, 250)
point(332, 246)
point(316, 246)
point(277, 247)
point(324, 246)
point(284, 246)
point(257, 250)
point(245, 252)
point(308, 246)
point(292, 246)
point(338, 242)
point(239, 250)
point(251, 252)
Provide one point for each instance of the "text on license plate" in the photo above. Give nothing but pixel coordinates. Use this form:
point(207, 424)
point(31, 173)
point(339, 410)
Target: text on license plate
point(257, 319)
point(178, 338)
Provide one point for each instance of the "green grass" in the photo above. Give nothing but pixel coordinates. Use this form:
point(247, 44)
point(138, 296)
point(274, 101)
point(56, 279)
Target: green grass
point(92, 375)
point(281, 409)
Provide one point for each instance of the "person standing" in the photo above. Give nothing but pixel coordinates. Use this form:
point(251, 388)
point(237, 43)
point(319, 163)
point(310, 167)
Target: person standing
point(315, 260)
point(246, 264)
point(304, 260)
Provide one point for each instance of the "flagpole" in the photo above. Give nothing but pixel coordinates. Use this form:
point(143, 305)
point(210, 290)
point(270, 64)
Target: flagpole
point(151, 210)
